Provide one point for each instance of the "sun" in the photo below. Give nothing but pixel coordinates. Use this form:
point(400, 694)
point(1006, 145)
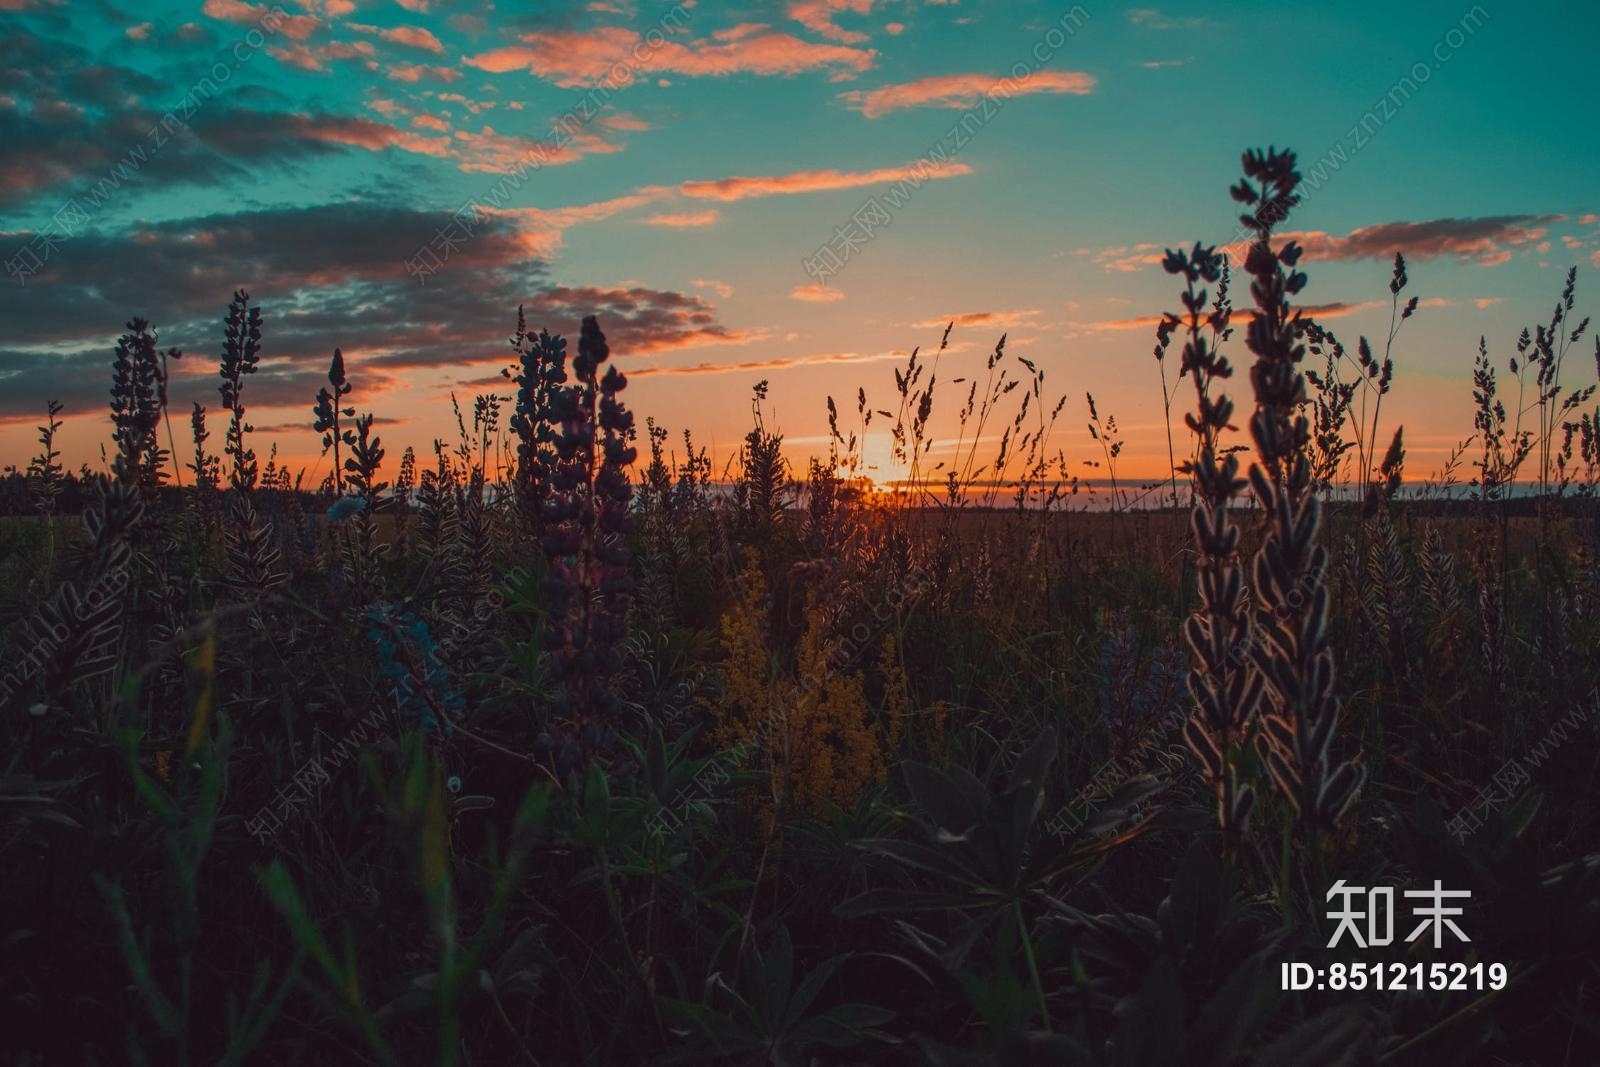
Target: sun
point(878, 463)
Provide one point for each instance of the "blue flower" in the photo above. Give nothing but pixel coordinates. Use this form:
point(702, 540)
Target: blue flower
point(408, 657)
point(345, 507)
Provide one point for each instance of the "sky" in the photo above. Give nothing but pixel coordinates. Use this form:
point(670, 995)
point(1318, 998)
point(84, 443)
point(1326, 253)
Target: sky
point(800, 191)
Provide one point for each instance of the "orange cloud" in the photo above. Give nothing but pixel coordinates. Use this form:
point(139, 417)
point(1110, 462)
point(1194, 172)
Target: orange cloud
point(365, 133)
point(294, 27)
point(414, 37)
point(416, 72)
point(1129, 258)
point(778, 363)
point(409, 36)
point(625, 120)
point(1007, 319)
point(317, 57)
point(541, 231)
point(614, 55)
point(489, 152)
point(958, 91)
point(816, 294)
point(818, 17)
point(722, 289)
point(687, 220)
point(810, 181)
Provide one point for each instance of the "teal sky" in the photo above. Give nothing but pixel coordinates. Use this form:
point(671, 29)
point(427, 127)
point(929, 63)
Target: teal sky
point(340, 137)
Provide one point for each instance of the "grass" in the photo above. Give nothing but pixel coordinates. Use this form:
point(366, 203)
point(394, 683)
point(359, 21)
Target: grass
point(548, 752)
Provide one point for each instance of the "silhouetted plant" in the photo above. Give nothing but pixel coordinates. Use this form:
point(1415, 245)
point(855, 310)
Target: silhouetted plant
point(138, 392)
point(366, 459)
point(540, 374)
point(328, 410)
point(1290, 650)
point(758, 495)
point(241, 356)
point(253, 558)
point(44, 473)
point(207, 468)
point(588, 584)
point(1226, 691)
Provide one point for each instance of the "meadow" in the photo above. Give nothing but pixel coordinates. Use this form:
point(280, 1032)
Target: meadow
point(560, 746)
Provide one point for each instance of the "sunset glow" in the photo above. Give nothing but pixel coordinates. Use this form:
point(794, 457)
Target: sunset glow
point(1027, 167)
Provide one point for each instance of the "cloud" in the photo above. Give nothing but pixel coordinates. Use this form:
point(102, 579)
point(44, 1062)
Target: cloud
point(958, 91)
point(294, 27)
point(1153, 19)
point(412, 73)
point(413, 37)
point(625, 121)
point(685, 220)
point(1002, 319)
point(818, 17)
point(490, 152)
point(615, 55)
point(330, 8)
point(810, 181)
point(332, 275)
point(1163, 64)
point(816, 294)
point(105, 140)
point(1487, 301)
point(722, 289)
point(1488, 241)
point(760, 365)
point(317, 57)
point(1126, 259)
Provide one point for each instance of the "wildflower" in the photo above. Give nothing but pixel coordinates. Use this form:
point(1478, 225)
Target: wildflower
point(409, 661)
point(811, 728)
point(586, 522)
point(344, 508)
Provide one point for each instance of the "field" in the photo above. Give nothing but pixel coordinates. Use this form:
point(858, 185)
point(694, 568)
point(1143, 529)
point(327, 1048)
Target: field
point(556, 746)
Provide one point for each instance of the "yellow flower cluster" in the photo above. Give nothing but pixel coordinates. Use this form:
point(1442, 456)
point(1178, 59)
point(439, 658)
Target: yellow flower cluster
point(809, 725)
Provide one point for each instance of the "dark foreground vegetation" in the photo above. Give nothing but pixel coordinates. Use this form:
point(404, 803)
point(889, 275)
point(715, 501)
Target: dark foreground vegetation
point(538, 750)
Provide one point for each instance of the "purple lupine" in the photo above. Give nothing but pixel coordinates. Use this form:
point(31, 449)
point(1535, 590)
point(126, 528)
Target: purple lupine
point(586, 521)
